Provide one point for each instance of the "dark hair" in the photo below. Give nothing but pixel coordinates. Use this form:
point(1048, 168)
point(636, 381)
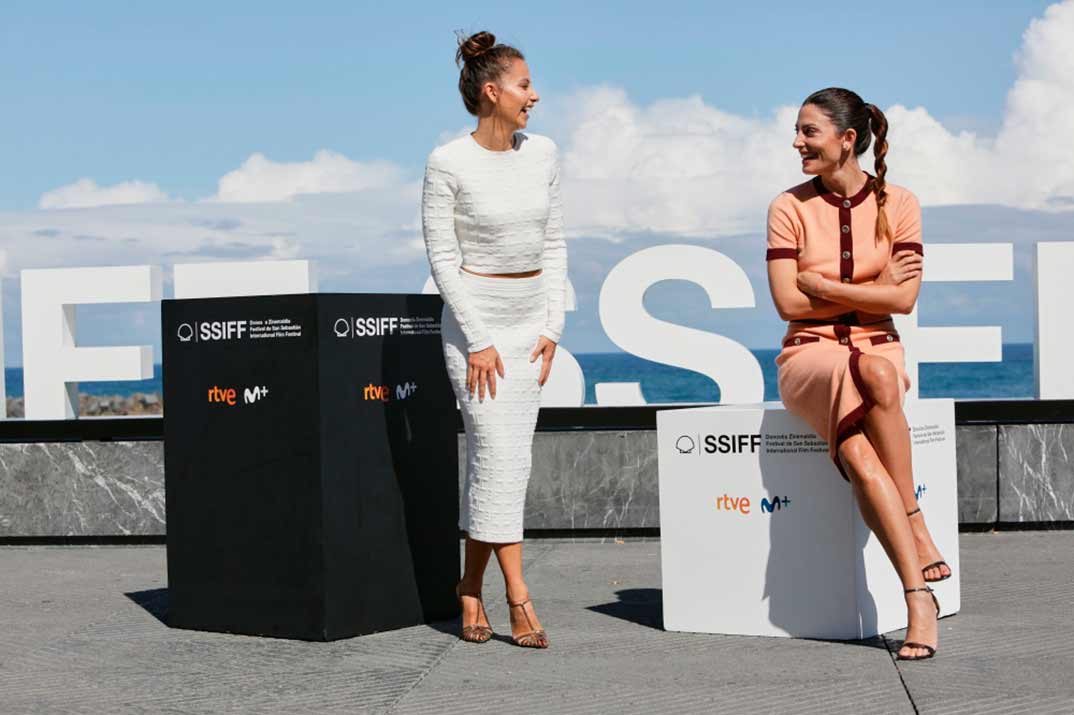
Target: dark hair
point(481, 60)
point(847, 111)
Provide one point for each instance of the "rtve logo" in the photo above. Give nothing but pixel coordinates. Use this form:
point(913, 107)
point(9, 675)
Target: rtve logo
point(211, 330)
point(921, 489)
point(742, 505)
point(366, 327)
point(230, 396)
point(384, 394)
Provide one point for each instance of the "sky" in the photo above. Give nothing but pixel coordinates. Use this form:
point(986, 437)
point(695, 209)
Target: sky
point(166, 133)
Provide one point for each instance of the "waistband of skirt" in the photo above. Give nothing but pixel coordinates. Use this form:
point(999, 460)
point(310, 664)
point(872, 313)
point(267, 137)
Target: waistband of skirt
point(489, 285)
point(852, 318)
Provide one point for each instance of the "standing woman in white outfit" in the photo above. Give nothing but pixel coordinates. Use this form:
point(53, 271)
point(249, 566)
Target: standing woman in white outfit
point(494, 235)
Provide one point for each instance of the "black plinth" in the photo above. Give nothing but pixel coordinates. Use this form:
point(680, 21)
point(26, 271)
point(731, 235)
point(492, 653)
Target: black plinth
point(310, 465)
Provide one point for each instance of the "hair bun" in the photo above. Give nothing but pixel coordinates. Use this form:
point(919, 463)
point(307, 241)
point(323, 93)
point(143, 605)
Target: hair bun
point(474, 46)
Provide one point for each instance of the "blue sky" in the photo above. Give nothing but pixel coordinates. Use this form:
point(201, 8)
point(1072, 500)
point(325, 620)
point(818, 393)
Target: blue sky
point(164, 133)
point(180, 93)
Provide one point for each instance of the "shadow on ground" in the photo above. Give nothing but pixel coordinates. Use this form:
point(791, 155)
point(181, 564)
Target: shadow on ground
point(154, 601)
point(643, 606)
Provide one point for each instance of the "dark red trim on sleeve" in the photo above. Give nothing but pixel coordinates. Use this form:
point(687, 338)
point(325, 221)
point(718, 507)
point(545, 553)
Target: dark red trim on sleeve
point(774, 253)
point(908, 246)
point(884, 339)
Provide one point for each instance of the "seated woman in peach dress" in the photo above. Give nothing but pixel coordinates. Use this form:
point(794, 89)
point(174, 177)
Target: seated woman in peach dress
point(844, 253)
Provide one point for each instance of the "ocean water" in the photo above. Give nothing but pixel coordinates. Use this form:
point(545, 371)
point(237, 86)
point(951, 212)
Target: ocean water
point(1011, 378)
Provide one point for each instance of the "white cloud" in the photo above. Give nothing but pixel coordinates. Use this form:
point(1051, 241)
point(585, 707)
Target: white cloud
point(260, 179)
point(681, 166)
point(1036, 141)
point(85, 193)
point(677, 167)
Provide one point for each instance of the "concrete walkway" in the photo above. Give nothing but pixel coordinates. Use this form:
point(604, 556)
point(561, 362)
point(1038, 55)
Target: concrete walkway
point(80, 632)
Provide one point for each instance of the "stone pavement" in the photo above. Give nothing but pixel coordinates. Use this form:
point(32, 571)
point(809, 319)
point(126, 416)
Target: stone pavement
point(80, 632)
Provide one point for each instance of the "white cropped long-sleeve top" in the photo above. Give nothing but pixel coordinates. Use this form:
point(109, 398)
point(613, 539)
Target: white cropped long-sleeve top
point(494, 212)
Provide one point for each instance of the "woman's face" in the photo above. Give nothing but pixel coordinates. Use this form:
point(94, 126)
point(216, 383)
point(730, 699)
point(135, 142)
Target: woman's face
point(513, 96)
point(819, 142)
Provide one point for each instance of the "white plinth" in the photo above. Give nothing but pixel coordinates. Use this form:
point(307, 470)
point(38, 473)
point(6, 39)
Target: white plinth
point(735, 560)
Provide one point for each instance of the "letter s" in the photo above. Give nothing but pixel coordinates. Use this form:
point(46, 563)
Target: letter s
point(624, 318)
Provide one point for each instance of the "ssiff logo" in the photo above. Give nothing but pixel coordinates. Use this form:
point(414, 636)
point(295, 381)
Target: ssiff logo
point(366, 327)
point(732, 443)
point(685, 444)
point(212, 330)
point(230, 396)
point(719, 444)
point(383, 393)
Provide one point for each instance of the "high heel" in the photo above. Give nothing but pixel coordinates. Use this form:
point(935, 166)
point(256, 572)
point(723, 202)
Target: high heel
point(911, 644)
point(936, 564)
point(534, 638)
point(475, 633)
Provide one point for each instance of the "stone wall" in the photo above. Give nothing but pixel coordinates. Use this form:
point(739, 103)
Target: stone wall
point(581, 480)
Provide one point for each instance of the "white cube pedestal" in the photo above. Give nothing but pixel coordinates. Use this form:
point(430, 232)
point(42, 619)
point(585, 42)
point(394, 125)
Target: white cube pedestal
point(760, 534)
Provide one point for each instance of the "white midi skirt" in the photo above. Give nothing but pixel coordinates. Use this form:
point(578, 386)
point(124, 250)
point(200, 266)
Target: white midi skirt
point(499, 432)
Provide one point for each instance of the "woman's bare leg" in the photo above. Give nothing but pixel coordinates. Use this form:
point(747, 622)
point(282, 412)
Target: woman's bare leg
point(510, 558)
point(473, 576)
point(889, 434)
point(883, 511)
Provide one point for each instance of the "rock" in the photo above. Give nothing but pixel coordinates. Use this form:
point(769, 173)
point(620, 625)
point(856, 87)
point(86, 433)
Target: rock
point(92, 406)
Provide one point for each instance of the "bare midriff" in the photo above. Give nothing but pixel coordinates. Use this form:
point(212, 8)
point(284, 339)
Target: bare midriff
point(524, 274)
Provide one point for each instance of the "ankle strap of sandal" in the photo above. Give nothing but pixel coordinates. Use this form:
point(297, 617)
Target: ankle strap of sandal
point(915, 511)
point(926, 589)
point(524, 613)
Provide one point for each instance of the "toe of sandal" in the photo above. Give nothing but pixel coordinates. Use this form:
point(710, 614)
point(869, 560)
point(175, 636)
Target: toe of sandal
point(911, 644)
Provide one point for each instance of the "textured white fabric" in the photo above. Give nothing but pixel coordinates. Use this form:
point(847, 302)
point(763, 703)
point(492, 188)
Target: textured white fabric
point(495, 212)
point(499, 432)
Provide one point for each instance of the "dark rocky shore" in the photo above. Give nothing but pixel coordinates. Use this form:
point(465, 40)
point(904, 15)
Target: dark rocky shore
point(103, 406)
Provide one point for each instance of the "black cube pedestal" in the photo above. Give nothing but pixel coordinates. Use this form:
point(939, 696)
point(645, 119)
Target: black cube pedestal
point(310, 465)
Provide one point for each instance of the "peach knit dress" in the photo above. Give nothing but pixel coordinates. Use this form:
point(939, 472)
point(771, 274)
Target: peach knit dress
point(819, 378)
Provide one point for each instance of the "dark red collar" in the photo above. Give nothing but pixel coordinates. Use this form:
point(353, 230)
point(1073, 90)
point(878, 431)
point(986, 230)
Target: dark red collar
point(836, 200)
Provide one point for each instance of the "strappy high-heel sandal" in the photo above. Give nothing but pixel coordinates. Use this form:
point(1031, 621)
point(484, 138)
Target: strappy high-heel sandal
point(534, 638)
point(936, 564)
point(475, 633)
point(911, 644)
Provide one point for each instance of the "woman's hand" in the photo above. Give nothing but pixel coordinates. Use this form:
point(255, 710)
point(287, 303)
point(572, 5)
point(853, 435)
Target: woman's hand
point(546, 349)
point(481, 370)
point(903, 266)
point(811, 283)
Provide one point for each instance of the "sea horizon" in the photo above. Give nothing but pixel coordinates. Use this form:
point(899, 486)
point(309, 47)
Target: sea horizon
point(1011, 378)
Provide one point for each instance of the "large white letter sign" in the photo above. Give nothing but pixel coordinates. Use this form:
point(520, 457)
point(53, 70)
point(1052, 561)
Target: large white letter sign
point(229, 280)
point(52, 365)
point(956, 262)
point(622, 313)
point(566, 383)
point(1054, 344)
